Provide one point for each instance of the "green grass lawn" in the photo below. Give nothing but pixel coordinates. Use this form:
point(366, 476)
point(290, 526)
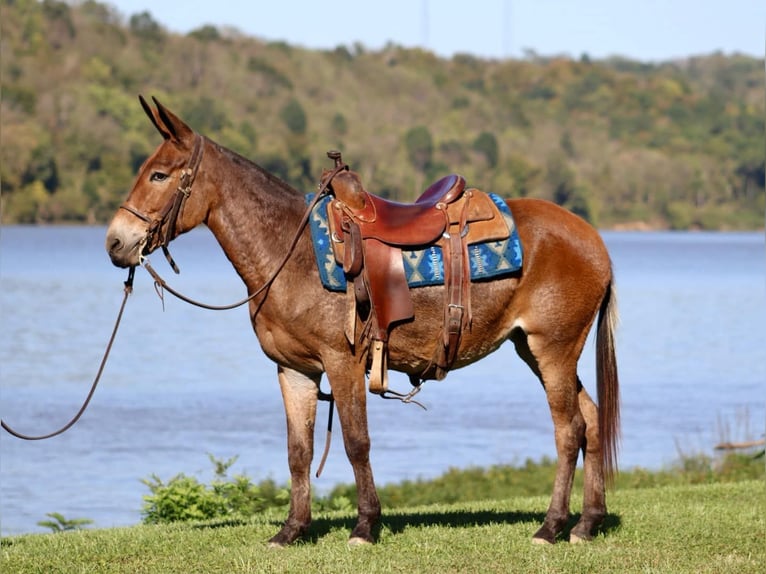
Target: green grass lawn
point(680, 529)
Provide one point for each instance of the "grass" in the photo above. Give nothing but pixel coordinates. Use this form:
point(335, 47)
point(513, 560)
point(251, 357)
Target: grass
point(702, 528)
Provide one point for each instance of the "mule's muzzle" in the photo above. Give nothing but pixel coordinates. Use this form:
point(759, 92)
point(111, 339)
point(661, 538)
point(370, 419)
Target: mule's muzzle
point(125, 246)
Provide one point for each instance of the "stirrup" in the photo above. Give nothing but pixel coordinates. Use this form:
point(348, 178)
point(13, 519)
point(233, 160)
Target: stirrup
point(379, 368)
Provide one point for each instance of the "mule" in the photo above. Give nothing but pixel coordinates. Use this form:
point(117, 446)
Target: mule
point(546, 310)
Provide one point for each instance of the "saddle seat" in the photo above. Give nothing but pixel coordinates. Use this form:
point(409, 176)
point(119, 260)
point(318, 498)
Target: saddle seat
point(368, 233)
point(394, 223)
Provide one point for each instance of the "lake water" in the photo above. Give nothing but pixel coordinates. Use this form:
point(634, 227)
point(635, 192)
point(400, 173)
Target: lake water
point(185, 382)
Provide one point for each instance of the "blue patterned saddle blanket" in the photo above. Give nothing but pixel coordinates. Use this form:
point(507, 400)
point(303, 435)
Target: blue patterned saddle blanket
point(422, 267)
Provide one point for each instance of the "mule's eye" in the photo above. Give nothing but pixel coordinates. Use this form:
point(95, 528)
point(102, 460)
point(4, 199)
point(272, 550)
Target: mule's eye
point(158, 176)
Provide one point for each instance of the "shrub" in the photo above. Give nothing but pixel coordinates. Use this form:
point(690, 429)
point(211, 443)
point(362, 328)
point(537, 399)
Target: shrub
point(61, 524)
point(185, 498)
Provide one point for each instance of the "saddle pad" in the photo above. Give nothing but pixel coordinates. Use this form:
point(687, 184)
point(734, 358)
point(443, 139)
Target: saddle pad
point(424, 266)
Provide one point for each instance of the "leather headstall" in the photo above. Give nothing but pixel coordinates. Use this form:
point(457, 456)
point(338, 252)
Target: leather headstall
point(168, 217)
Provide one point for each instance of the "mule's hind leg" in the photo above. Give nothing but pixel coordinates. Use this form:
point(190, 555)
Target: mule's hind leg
point(299, 393)
point(569, 429)
point(556, 367)
point(594, 498)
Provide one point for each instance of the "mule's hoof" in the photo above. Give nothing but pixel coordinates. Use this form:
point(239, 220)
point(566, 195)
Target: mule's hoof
point(575, 539)
point(273, 544)
point(544, 535)
point(357, 541)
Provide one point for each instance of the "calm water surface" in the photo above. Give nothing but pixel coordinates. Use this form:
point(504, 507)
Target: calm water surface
point(185, 382)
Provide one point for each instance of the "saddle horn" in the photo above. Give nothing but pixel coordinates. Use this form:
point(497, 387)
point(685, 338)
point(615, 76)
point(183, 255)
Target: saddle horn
point(334, 155)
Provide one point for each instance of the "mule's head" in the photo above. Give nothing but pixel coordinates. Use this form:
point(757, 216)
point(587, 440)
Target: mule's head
point(160, 206)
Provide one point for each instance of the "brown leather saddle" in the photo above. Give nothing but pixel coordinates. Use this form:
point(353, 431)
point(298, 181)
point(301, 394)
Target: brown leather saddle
point(368, 233)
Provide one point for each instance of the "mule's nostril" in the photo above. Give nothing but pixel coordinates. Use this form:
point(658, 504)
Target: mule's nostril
point(115, 245)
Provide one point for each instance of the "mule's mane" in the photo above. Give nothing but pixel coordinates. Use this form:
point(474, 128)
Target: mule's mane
point(263, 178)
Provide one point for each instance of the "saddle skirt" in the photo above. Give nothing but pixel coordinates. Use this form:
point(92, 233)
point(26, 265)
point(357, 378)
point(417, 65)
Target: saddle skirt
point(424, 265)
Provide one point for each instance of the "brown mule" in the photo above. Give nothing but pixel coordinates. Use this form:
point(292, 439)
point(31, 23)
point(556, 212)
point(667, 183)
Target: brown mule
point(546, 309)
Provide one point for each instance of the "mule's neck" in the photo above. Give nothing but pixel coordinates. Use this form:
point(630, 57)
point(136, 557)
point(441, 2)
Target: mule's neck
point(254, 215)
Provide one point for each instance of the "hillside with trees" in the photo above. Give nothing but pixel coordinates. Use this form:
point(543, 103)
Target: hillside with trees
point(677, 144)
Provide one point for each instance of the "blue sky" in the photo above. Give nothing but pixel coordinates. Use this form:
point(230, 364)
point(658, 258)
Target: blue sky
point(646, 30)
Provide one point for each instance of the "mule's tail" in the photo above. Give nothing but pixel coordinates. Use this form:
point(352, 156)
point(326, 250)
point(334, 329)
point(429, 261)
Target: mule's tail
point(608, 385)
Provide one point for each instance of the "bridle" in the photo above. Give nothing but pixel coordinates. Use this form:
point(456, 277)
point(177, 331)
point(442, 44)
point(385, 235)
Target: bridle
point(168, 216)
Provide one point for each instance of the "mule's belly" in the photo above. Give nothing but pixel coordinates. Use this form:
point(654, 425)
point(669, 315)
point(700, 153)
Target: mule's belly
point(413, 344)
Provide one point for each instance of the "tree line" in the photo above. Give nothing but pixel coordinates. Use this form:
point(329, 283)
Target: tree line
point(675, 144)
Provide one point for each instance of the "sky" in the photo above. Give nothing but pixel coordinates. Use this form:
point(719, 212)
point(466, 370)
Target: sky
point(645, 30)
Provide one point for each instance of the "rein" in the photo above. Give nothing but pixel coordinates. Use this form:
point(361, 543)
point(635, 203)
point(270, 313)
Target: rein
point(161, 285)
point(128, 291)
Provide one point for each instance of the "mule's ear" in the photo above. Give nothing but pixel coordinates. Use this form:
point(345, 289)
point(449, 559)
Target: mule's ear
point(153, 116)
point(179, 131)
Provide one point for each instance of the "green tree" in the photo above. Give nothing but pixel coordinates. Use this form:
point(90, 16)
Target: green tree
point(339, 124)
point(294, 117)
point(207, 33)
point(486, 144)
point(420, 147)
point(206, 115)
point(42, 167)
point(25, 205)
point(523, 174)
point(146, 27)
point(61, 29)
point(567, 145)
point(560, 179)
point(638, 141)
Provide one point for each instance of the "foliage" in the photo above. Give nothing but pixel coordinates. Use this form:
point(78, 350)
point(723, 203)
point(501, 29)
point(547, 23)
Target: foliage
point(145, 27)
point(294, 117)
point(61, 524)
point(185, 498)
point(675, 144)
point(486, 144)
point(420, 147)
point(536, 479)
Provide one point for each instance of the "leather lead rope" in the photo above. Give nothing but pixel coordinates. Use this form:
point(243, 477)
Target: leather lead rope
point(160, 284)
point(128, 291)
point(328, 437)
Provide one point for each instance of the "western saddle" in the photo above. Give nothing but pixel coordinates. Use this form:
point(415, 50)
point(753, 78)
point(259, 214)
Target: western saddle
point(368, 233)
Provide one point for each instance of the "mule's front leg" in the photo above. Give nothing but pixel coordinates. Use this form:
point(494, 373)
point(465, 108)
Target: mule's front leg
point(348, 388)
point(299, 393)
